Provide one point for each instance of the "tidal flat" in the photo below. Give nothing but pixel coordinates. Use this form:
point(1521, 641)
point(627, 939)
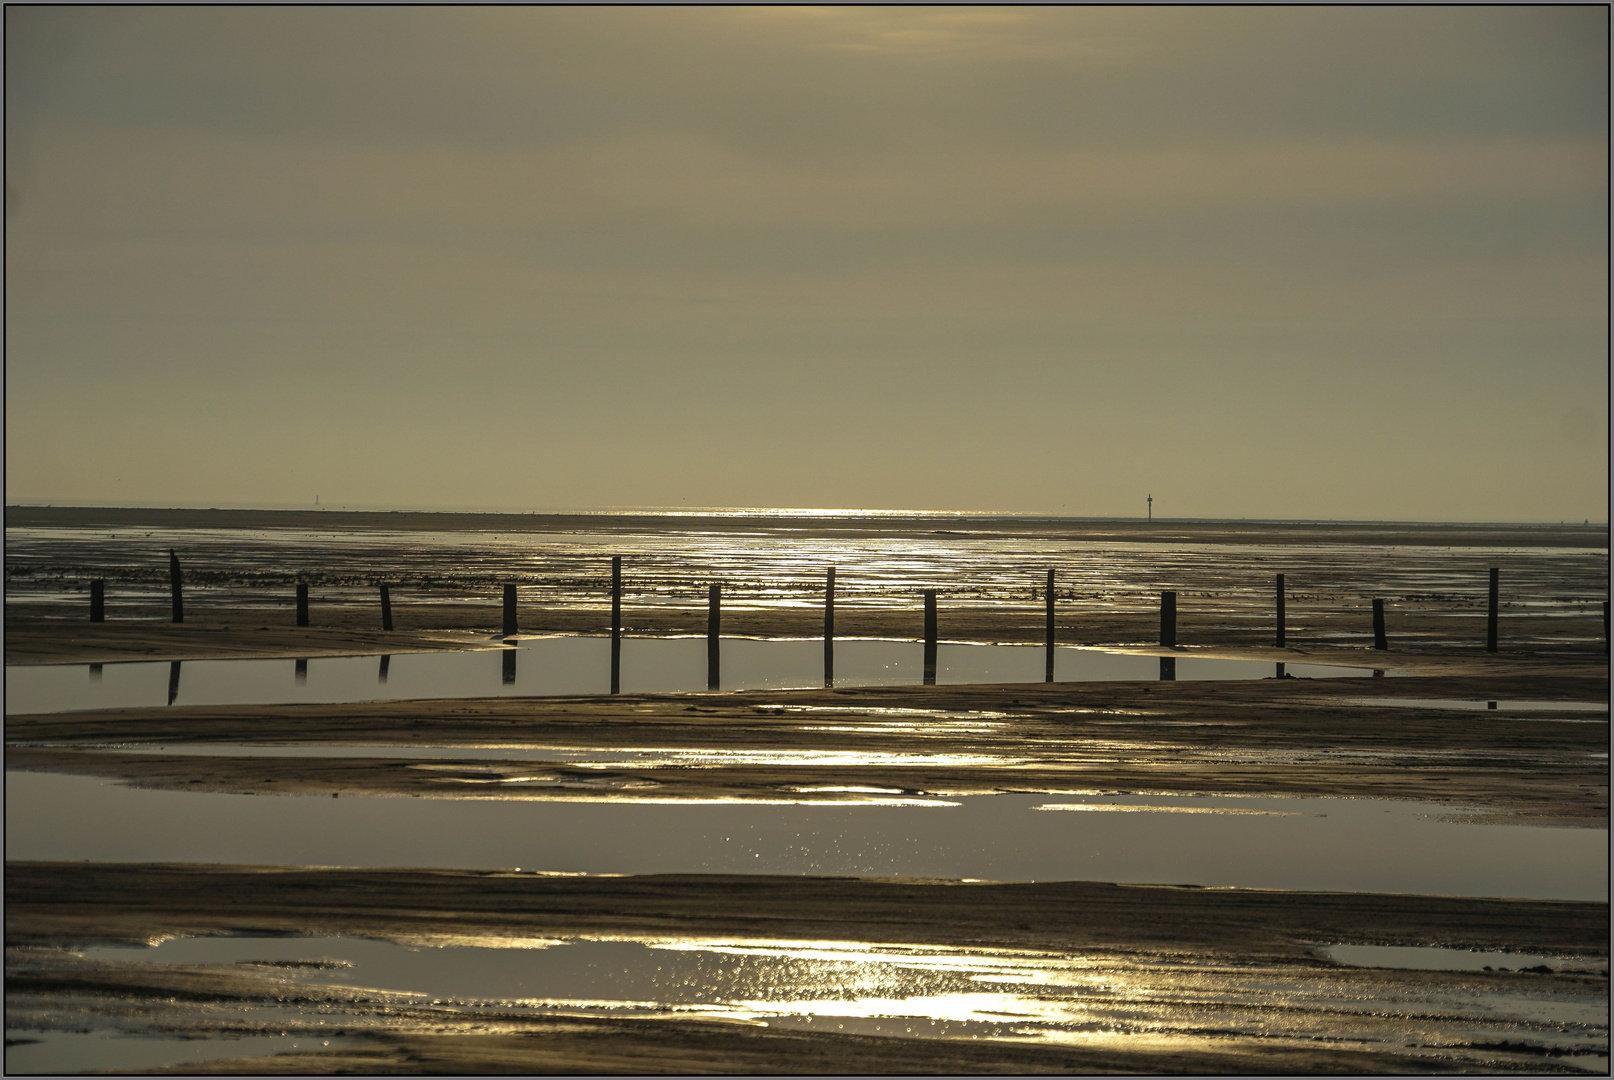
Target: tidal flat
point(446, 572)
point(795, 946)
point(756, 973)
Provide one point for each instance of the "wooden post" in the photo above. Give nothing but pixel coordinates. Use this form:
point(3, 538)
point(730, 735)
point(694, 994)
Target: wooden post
point(176, 586)
point(1280, 611)
point(509, 667)
point(1490, 620)
point(302, 603)
point(1048, 603)
point(616, 624)
point(386, 608)
point(1168, 669)
point(386, 662)
point(829, 627)
point(1168, 619)
point(173, 681)
point(509, 611)
point(930, 637)
point(300, 673)
point(714, 619)
point(98, 600)
point(1379, 641)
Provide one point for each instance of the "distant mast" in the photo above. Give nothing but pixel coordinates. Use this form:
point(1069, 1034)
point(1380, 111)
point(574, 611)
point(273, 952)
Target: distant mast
point(1151, 507)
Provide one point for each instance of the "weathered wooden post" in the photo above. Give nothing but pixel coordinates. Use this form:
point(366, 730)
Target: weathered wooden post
point(829, 627)
point(386, 662)
point(386, 608)
point(1280, 611)
point(176, 586)
point(1490, 619)
point(509, 666)
point(1048, 663)
point(930, 637)
point(98, 600)
point(509, 611)
point(302, 603)
point(173, 681)
point(1168, 633)
point(1379, 641)
point(714, 619)
point(616, 624)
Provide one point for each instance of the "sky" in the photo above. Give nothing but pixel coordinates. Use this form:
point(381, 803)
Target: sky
point(1315, 263)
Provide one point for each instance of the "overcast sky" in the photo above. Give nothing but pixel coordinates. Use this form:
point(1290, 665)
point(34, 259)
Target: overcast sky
point(1278, 263)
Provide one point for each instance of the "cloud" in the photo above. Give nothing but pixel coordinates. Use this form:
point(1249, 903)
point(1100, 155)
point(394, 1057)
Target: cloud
point(1022, 227)
point(178, 180)
point(789, 81)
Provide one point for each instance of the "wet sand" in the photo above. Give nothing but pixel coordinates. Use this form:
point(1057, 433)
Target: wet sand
point(1293, 737)
point(50, 902)
point(1129, 928)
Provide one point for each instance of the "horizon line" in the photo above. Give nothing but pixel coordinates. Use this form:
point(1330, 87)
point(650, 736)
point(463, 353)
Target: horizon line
point(765, 512)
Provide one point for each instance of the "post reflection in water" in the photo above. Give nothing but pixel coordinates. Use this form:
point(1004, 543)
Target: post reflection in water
point(829, 627)
point(1168, 668)
point(95, 672)
point(930, 637)
point(616, 624)
point(714, 631)
point(1280, 671)
point(509, 666)
point(569, 665)
point(173, 681)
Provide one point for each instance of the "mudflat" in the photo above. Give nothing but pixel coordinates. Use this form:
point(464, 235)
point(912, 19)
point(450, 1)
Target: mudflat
point(1164, 940)
point(1296, 737)
point(1196, 980)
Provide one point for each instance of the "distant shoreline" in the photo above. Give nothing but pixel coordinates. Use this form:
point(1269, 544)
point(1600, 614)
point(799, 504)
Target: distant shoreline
point(1161, 530)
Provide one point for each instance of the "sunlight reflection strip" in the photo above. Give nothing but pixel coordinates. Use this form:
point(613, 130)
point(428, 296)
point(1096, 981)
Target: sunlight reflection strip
point(1150, 809)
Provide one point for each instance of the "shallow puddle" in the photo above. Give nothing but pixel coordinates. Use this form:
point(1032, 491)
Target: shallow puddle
point(582, 665)
point(46, 1052)
point(1427, 958)
point(906, 991)
point(1316, 844)
point(637, 757)
point(1486, 706)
